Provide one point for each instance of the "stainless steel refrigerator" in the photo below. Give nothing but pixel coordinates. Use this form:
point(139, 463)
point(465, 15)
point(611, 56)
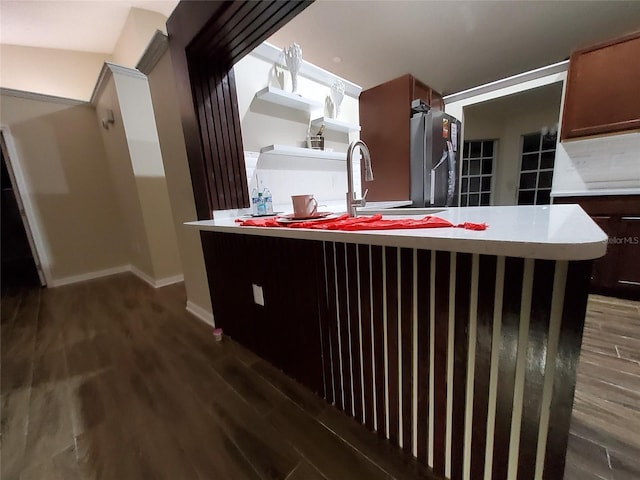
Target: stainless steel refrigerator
point(435, 148)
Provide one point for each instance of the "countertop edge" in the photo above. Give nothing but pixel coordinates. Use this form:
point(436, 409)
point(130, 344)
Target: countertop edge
point(394, 238)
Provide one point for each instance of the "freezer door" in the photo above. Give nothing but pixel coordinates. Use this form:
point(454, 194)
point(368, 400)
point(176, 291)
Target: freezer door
point(420, 180)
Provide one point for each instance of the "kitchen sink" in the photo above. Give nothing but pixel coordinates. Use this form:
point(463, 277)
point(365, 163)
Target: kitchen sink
point(371, 210)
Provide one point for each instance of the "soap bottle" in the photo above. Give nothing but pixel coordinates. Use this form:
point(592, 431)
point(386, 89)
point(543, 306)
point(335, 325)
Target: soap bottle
point(268, 201)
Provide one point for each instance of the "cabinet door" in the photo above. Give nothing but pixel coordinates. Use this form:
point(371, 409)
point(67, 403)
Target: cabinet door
point(628, 243)
point(602, 89)
point(603, 273)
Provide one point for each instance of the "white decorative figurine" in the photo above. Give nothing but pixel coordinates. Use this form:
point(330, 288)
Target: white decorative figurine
point(293, 58)
point(337, 94)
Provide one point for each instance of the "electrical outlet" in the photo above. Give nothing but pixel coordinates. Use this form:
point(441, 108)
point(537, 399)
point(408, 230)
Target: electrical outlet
point(258, 294)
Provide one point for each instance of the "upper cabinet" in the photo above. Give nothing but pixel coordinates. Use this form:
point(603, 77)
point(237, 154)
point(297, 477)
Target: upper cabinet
point(603, 89)
point(385, 112)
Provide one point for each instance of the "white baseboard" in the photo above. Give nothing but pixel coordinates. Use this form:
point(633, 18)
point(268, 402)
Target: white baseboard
point(83, 277)
point(142, 276)
point(162, 282)
point(200, 313)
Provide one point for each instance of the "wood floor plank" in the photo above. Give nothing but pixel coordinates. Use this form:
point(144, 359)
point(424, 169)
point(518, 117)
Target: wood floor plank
point(305, 471)
point(389, 458)
point(15, 417)
point(260, 394)
point(265, 449)
point(307, 401)
point(324, 450)
point(607, 401)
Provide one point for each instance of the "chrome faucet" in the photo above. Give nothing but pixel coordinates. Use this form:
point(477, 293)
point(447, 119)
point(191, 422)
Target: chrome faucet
point(352, 201)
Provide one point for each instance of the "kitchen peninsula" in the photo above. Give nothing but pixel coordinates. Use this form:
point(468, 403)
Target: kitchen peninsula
point(458, 346)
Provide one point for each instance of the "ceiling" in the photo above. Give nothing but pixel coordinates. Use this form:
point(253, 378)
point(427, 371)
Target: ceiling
point(450, 45)
point(88, 25)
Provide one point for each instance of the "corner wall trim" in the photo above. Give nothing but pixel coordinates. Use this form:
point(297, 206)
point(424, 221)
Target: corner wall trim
point(157, 46)
point(508, 82)
point(41, 97)
point(200, 313)
point(108, 69)
point(83, 277)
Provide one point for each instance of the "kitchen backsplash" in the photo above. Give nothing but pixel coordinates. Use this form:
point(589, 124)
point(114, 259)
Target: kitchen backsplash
point(603, 165)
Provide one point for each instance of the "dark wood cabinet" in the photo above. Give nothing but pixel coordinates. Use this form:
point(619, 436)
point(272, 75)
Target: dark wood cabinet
point(618, 272)
point(603, 89)
point(385, 112)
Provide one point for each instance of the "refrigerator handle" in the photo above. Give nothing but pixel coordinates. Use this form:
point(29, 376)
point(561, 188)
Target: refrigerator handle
point(445, 155)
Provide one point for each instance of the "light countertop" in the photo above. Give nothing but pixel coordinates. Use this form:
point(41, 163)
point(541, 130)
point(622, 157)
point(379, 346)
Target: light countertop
point(554, 232)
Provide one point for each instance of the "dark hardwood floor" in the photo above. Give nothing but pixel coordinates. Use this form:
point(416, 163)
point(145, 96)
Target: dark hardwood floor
point(111, 379)
point(605, 427)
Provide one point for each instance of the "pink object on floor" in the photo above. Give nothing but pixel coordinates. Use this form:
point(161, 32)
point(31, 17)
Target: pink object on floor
point(217, 333)
point(374, 222)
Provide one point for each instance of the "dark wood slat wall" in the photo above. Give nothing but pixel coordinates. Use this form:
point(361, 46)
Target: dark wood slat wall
point(406, 359)
point(484, 338)
point(364, 271)
point(513, 277)
point(354, 329)
point(206, 38)
point(289, 339)
point(350, 292)
point(343, 327)
point(398, 277)
point(535, 357)
point(424, 335)
point(573, 314)
point(324, 321)
point(391, 265)
point(441, 346)
point(377, 293)
point(460, 350)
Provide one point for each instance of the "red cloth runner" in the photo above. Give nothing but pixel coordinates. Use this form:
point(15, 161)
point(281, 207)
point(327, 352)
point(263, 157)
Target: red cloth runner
point(374, 222)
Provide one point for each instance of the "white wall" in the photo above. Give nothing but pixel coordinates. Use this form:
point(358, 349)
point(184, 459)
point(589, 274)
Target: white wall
point(68, 185)
point(174, 154)
point(136, 33)
point(506, 120)
point(264, 124)
point(136, 107)
point(60, 73)
point(121, 170)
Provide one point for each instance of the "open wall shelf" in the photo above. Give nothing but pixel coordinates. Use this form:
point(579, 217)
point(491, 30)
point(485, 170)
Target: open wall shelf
point(287, 99)
point(335, 125)
point(302, 152)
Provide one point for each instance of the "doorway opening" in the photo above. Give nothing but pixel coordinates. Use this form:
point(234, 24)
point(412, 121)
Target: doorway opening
point(19, 259)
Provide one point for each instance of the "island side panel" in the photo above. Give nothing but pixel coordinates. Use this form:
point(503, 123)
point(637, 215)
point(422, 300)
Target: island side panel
point(286, 330)
point(504, 410)
point(364, 327)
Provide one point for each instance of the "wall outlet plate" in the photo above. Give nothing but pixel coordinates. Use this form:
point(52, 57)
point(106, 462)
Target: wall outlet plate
point(258, 294)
